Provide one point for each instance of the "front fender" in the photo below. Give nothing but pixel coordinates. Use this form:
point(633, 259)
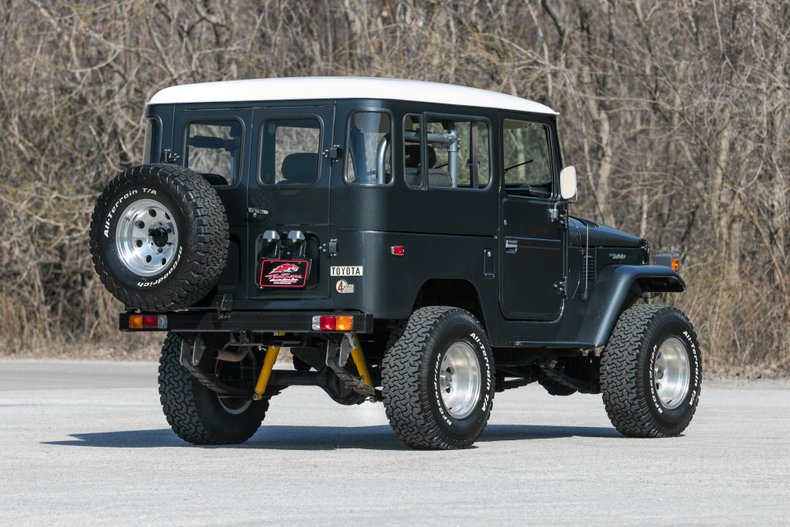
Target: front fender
point(617, 287)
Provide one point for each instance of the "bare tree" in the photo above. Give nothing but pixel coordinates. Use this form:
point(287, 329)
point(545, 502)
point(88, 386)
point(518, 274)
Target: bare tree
point(676, 114)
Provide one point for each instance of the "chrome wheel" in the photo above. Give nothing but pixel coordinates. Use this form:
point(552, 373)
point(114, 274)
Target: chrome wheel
point(234, 405)
point(671, 373)
point(459, 380)
point(241, 374)
point(146, 237)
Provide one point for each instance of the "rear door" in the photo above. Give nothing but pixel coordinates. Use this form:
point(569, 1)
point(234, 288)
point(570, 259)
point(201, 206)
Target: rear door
point(288, 203)
point(217, 143)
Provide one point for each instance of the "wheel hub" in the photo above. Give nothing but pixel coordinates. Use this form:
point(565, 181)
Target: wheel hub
point(460, 380)
point(671, 373)
point(159, 236)
point(146, 237)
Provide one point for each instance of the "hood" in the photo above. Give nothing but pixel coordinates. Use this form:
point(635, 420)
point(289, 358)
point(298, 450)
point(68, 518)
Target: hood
point(601, 235)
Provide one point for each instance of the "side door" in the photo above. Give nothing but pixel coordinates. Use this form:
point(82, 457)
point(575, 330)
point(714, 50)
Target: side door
point(288, 203)
point(533, 243)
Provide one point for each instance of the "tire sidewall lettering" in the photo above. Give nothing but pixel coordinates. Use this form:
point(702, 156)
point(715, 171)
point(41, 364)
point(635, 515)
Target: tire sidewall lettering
point(442, 411)
point(693, 350)
point(667, 329)
point(486, 399)
point(652, 381)
point(475, 338)
point(132, 191)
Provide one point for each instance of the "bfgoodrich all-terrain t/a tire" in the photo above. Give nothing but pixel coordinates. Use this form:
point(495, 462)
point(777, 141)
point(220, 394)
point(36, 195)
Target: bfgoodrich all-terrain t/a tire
point(159, 237)
point(651, 372)
point(438, 379)
point(196, 413)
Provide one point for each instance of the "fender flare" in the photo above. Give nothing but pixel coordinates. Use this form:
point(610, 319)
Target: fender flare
point(616, 289)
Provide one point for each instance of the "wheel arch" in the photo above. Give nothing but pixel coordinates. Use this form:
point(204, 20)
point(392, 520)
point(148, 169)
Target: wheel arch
point(617, 289)
point(450, 292)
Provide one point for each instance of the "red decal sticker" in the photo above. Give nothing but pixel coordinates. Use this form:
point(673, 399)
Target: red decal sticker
point(284, 273)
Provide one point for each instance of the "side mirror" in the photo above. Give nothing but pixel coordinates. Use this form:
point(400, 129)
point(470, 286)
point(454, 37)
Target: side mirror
point(568, 183)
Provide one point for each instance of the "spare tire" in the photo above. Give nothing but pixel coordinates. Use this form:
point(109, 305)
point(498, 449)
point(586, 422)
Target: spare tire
point(159, 237)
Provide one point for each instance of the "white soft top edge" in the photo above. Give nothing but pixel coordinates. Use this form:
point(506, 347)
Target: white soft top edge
point(322, 88)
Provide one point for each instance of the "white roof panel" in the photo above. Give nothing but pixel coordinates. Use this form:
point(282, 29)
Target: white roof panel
point(307, 88)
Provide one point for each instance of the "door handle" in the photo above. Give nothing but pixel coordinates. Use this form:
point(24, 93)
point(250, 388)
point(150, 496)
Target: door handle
point(254, 214)
point(511, 245)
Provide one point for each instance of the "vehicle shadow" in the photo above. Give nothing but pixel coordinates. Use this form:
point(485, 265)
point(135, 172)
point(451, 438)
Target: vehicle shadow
point(288, 437)
point(524, 432)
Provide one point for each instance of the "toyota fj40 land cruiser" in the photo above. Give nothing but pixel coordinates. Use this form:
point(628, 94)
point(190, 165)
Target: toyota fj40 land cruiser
point(408, 241)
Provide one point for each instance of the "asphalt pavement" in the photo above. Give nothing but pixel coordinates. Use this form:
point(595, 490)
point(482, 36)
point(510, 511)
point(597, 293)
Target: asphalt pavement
point(85, 443)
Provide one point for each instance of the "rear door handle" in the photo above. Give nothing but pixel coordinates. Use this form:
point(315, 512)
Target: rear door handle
point(254, 214)
point(511, 245)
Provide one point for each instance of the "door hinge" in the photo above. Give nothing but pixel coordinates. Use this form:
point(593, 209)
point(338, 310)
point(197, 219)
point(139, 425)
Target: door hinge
point(488, 264)
point(224, 307)
point(168, 156)
point(561, 288)
point(558, 216)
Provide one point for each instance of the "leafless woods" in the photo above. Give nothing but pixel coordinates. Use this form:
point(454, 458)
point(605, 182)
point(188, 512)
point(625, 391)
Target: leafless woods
point(675, 114)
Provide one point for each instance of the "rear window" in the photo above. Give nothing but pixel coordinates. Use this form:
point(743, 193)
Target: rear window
point(290, 151)
point(213, 148)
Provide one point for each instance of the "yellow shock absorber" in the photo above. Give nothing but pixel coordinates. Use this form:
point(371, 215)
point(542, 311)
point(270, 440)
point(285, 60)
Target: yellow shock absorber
point(266, 370)
point(359, 361)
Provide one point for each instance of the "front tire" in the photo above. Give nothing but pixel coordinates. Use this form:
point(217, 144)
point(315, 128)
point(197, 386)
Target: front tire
point(196, 413)
point(651, 372)
point(438, 380)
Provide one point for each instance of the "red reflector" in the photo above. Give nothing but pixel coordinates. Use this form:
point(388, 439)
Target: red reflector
point(328, 323)
point(398, 250)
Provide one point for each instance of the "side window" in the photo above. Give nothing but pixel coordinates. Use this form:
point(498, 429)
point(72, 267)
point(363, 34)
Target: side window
point(369, 159)
point(290, 151)
point(456, 150)
point(151, 141)
point(526, 158)
point(213, 148)
point(411, 151)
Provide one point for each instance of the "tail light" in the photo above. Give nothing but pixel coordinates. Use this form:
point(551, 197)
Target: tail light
point(147, 321)
point(333, 323)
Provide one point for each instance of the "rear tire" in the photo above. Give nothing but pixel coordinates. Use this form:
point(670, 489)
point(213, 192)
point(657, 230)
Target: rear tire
point(651, 372)
point(438, 380)
point(196, 413)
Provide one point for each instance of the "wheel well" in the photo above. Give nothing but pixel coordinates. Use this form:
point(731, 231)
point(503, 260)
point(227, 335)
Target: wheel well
point(657, 284)
point(456, 293)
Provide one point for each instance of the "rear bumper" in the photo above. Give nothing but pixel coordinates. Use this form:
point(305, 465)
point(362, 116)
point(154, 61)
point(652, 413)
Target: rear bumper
point(255, 321)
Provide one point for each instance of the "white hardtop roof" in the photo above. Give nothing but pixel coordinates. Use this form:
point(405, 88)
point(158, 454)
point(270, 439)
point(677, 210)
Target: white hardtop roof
point(307, 88)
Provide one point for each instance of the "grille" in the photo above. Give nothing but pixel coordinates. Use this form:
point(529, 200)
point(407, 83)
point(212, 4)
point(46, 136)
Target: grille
point(588, 266)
